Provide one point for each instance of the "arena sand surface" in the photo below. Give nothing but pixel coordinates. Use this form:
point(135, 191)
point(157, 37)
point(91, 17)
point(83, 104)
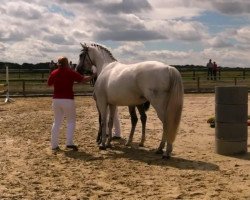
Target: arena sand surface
point(28, 169)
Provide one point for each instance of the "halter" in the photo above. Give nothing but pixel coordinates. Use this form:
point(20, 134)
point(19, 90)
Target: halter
point(87, 54)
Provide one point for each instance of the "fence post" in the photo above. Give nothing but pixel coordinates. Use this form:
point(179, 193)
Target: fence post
point(244, 73)
point(198, 84)
point(193, 74)
point(24, 88)
point(235, 80)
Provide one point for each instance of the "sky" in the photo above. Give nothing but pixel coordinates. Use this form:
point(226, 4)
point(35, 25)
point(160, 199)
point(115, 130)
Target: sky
point(176, 32)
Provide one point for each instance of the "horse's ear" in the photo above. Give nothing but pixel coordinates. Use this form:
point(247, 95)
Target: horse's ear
point(83, 45)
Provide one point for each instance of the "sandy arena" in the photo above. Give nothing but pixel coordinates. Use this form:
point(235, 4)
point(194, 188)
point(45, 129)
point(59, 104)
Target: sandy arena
point(29, 170)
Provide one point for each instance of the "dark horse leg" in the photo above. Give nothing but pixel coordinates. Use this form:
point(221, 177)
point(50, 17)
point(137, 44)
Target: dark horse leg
point(134, 120)
point(142, 110)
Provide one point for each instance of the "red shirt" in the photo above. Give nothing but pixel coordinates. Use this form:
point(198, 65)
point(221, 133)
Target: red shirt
point(63, 80)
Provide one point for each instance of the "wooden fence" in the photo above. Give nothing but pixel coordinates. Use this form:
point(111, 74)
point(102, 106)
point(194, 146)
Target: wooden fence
point(194, 81)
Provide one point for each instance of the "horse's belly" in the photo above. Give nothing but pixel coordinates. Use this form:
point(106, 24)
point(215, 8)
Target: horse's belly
point(127, 100)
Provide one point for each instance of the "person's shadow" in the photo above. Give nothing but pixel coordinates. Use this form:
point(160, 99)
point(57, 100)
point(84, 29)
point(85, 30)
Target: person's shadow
point(81, 155)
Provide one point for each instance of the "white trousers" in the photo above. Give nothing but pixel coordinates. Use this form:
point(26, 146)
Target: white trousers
point(63, 108)
point(116, 122)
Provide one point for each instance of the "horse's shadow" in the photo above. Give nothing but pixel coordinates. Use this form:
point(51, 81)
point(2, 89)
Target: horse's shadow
point(144, 155)
point(151, 158)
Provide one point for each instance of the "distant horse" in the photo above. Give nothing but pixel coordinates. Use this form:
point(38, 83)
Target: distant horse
point(128, 85)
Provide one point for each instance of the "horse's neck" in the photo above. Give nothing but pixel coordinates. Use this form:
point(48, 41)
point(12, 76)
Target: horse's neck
point(102, 60)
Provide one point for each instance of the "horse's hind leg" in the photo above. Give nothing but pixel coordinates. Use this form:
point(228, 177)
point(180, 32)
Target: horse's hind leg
point(159, 104)
point(143, 121)
point(163, 140)
point(134, 120)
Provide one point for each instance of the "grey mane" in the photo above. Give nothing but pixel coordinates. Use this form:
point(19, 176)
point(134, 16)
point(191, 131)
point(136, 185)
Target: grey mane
point(105, 49)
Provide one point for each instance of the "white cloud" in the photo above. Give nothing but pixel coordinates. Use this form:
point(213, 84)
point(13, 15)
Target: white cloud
point(243, 35)
point(39, 30)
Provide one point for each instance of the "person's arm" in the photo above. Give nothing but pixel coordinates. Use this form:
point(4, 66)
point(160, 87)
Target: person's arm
point(88, 78)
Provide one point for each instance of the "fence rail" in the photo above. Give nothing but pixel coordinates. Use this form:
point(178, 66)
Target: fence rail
point(194, 81)
point(29, 87)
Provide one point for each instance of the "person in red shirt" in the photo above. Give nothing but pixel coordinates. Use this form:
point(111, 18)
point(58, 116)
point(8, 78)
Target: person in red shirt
point(63, 103)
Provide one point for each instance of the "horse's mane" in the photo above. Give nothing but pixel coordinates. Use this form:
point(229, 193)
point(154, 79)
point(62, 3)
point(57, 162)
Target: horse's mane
point(104, 49)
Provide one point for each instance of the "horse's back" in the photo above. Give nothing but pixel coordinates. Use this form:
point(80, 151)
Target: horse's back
point(129, 84)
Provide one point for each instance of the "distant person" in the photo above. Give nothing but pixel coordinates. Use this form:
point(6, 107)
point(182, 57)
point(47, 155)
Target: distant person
point(215, 69)
point(210, 70)
point(63, 103)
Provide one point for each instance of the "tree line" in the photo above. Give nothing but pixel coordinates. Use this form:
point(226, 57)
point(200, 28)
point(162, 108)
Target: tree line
point(46, 66)
point(25, 66)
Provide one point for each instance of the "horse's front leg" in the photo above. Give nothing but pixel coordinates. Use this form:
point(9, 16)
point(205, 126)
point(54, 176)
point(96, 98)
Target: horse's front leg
point(112, 110)
point(134, 120)
point(143, 121)
point(169, 149)
point(99, 135)
point(103, 112)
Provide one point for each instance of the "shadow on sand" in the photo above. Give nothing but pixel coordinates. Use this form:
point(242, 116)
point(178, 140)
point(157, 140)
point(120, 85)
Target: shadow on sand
point(245, 156)
point(151, 158)
point(146, 156)
point(80, 155)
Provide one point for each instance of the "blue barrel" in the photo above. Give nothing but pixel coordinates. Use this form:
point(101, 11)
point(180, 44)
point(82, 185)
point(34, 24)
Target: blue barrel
point(231, 115)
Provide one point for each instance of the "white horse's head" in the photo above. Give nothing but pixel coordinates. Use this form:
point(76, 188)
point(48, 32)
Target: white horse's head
point(85, 62)
point(94, 54)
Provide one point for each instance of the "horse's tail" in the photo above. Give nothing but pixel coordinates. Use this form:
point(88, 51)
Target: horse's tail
point(174, 105)
point(146, 105)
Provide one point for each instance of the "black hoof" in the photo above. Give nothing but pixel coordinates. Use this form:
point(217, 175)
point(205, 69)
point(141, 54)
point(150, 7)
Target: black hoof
point(109, 146)
point(166, 157)
point(159, 151)
point(141, 145)
point(102, 147)
point(99, 141)
point(116, 138)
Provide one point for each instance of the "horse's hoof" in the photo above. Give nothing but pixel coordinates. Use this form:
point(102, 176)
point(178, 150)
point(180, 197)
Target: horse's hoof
point(159, 151)
point(166, 157)
point(102, 147)
point(109, 146)
point(99, 142)
point(141, 145)
point(128, 144)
